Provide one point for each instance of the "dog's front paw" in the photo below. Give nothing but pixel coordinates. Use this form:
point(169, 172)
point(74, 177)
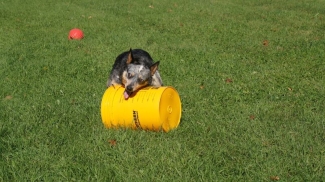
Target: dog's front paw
point(112, 84)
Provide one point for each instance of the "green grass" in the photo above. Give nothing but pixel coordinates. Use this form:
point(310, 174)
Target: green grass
point(266, 121)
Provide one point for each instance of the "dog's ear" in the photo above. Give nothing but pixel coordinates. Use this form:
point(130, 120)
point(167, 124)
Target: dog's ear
point(154, 67)
point(130, 57)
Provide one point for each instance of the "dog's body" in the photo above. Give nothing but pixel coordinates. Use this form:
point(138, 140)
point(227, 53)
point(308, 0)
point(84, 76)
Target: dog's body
point(134, 69)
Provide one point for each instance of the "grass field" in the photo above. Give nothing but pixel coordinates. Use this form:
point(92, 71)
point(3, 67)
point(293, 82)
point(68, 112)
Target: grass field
point(250, 75)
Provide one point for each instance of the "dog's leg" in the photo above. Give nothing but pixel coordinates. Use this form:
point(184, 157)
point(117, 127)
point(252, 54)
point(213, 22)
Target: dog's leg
point(156, 80)
point(112, 83)
point(114, 78)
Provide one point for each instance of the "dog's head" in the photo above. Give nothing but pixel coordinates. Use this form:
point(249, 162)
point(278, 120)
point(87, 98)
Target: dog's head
point(137, 75)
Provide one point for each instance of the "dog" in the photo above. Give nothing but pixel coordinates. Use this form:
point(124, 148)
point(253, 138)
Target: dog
point(134, 70)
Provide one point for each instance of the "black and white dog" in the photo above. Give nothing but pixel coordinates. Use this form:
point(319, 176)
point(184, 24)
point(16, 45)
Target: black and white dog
point(134, 69)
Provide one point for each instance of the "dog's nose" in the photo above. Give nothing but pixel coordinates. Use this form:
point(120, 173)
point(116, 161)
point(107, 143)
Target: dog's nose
point(129, 88)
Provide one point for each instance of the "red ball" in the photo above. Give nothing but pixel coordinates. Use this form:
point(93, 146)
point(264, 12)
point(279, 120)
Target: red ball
point(76, 34)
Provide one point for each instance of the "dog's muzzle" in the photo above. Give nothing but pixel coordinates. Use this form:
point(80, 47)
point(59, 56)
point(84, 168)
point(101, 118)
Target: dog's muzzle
point(127, 92)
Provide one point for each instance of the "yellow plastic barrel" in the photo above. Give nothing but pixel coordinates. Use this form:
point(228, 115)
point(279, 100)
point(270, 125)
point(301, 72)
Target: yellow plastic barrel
point(150, 108)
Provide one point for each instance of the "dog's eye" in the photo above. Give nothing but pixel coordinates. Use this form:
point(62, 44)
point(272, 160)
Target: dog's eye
point(141, 80)
point(130, 75)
